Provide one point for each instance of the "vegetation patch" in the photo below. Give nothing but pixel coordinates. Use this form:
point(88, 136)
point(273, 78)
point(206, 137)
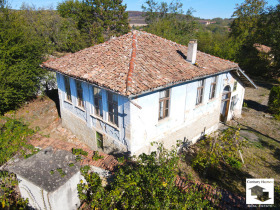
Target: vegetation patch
point(148, 182)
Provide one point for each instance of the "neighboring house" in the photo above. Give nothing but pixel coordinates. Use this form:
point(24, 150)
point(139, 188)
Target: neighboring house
point(138, 88)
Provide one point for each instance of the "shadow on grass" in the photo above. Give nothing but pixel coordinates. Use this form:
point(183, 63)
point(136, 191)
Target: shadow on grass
point(246, 127)
point(228, 178)
point(256, 106)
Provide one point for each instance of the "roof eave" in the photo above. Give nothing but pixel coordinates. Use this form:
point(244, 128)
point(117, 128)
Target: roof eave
point(169, 85)
point(82, 80)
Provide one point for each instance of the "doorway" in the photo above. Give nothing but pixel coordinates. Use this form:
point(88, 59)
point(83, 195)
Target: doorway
point(225, 104)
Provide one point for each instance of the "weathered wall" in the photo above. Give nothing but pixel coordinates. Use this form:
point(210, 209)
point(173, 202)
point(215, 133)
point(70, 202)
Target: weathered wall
point(139, 127)
point(65, 197)
point(186, 120)
point(84, 124)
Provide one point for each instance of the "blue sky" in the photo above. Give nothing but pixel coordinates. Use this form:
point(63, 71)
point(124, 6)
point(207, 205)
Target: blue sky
point(203, 8)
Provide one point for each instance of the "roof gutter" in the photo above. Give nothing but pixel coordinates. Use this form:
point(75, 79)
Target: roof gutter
point(245, 75)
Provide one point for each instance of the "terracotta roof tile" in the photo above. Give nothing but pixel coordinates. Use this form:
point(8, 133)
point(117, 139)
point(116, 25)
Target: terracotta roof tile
point(138, 60)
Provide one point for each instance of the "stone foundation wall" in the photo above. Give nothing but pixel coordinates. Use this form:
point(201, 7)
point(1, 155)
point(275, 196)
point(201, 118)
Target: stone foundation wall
point(88, 135)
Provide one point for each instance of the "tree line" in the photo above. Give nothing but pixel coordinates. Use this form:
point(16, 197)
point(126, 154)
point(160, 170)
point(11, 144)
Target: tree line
point(253, 23)
point(29, 35)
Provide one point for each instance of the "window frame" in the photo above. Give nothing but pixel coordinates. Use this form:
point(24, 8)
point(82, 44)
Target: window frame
point(213, 87)
point(115, 111)
point(200, 92)
point(67, 88)
point(97, 102)
point(80, 97)
point(234, 86)
point(165, 109)
point(99, 141)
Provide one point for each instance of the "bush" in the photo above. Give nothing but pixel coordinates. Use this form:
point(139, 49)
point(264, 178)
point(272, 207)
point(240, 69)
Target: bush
point(9, 197)
point(274, 101)
point(146, 183)
point(219, 149)
point(13, 138)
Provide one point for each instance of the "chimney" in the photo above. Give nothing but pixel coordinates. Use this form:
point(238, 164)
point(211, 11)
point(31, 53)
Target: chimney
point(192, 50)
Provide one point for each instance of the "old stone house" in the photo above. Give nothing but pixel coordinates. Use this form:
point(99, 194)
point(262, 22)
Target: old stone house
point(138, 88)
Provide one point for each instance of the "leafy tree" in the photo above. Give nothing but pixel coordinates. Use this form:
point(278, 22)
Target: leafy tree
point(168, 21)
point(55, 32)
point(98, 20)
point(147, 183)
point(268, 33)
point(246, 17)
point(20, 56)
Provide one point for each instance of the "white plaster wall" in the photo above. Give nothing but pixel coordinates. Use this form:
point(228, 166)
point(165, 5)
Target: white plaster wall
point(65, 197)
point(228, 79)
point(186, 121)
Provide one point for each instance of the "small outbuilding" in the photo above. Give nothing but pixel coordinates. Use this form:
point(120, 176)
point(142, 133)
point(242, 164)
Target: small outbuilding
point(49, 179)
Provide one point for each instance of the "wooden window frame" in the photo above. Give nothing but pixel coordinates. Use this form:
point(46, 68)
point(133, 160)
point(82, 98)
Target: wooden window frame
point(234, 86)
point(99, 140)
point(213, 87)
point(67, 88)
point(113, 114)
point(97, 102)
point(79, 90)
point(200, 92)
point(165, 108)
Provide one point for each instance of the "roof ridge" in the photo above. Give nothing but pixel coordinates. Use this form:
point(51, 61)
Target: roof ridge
point(131, 63)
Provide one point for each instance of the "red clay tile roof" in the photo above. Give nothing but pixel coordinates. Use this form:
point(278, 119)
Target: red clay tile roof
point(262, 48)
point(131, 66)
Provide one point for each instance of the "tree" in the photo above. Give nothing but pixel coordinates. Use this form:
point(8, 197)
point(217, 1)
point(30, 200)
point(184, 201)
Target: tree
point(98, 20)
point(20, 56)
point(57, 33)
point(268, 33)
point(246, 17)
point(168, 21)
point(147, 183)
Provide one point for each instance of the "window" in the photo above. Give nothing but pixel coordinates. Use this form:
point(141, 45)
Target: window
point(234, 100)
point(80, 94)
point(213, 87)
point(164, 98)
point(235, 86)
point(67, 89)
point(113, 108)
point(199, 95)
point(97, 101)
point(99, 140)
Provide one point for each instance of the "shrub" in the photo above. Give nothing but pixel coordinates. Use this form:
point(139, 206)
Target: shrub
point(9, 197)
point(274, 101)
point(214, 150)
point(146, 183)
point(13, 138)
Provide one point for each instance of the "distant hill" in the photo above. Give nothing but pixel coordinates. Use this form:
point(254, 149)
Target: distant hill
point(136, 18)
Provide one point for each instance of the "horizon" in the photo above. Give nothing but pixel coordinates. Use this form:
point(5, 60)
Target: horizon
point(203, 9)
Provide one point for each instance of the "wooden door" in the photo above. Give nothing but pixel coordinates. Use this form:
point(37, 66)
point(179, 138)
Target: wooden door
point(225, 104)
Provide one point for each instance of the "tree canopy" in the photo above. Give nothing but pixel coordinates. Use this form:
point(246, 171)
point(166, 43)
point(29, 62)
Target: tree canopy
point(97, 20)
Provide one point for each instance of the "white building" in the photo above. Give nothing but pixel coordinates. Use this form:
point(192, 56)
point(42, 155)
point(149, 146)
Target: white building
point(123, 94)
